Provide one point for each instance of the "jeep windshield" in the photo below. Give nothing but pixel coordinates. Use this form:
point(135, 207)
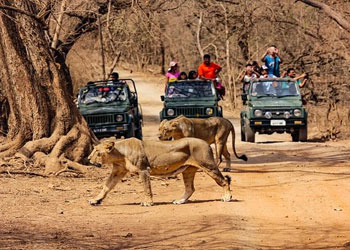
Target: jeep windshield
point(103, 94)
point(274, 87)
point(190, 88)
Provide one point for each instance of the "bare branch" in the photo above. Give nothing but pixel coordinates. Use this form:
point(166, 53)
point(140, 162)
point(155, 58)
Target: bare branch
point(330, 12)
point(36, 18)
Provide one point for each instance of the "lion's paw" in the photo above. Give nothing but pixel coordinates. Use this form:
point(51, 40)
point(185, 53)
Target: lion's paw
point(227, 198)
point(181, 201)
point(146, 204)
point(94, 202)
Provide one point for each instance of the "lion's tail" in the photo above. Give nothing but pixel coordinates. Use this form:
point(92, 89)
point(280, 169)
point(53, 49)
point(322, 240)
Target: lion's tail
point(242, 157)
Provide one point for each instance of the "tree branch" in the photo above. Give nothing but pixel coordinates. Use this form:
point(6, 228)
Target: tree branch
point(36, 18)
point(330, 12)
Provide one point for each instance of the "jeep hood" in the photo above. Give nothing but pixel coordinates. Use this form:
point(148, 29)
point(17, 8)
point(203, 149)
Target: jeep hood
point(202, 103)
point(276, 102)
point(102, 110)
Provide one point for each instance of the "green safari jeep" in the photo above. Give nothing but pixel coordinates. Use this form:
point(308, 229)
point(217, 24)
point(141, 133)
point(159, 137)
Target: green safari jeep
point(191, 98)
point(111, 108)
point(273, 105)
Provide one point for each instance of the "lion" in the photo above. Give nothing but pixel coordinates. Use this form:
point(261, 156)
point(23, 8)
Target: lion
point(212, 130)
point(158, 158)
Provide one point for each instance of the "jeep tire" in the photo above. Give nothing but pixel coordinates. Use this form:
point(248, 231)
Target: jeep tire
point(131, 131)
point(249, 133)
point(242, 131)
point(300, 134)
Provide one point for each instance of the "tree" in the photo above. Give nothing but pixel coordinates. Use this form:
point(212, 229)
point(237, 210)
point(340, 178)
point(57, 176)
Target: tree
point(44, 124)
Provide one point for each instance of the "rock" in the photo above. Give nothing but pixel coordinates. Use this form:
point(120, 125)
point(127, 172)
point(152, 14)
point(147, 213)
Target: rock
point(128, 235)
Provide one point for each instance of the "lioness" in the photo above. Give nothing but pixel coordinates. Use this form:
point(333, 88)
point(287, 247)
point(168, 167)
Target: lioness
point(158, 158)
point(212, 130)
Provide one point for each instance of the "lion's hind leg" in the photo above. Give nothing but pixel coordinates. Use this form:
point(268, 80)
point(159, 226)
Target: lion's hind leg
point(146, 180)
point(221, 181)
point(188, 178)
point(116, 175)
point(227, 158)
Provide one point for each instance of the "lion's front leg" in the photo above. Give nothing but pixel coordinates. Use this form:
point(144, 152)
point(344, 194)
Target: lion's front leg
point(188, 178)
point(146, 180)
point(113, 179)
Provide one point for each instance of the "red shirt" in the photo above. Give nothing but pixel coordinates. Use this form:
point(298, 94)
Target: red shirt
point(208, 71)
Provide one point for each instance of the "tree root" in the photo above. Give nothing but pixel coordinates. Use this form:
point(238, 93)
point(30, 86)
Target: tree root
point(10, 172)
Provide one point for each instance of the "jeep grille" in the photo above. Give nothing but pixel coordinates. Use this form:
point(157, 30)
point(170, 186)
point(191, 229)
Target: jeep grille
point(190, 111)
point(278, 113)
point(94, 119)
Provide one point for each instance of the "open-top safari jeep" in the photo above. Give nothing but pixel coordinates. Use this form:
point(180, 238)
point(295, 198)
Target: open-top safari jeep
point(111, 108)
point(191, 98)
point(273, 105)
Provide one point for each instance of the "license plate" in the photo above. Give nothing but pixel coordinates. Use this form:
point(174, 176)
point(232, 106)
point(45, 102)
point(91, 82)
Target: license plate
point(99, 130)
point(278, 123)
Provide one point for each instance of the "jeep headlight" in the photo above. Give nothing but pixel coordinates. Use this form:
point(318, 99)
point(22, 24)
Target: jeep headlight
point(268, 115)
point(119, 118)
point(258, 113)
point(170, 112)
point(286, 114)
point(297, 112)
point(209, 111)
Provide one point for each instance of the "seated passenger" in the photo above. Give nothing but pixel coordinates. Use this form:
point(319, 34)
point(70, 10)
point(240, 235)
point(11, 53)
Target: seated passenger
point(192, 75)
point(183, 76)
point(249, 74)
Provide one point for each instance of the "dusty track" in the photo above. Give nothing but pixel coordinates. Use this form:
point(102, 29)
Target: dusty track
point(287, 196)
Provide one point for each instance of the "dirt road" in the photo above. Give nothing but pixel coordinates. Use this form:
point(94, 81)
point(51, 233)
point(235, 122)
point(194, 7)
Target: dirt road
point(287, 196)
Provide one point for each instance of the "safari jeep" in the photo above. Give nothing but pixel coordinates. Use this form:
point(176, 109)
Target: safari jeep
point(273, 105)
point(191, 98)
point(111, 108)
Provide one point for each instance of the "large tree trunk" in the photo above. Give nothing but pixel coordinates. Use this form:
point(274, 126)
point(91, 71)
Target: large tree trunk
point(44, 123)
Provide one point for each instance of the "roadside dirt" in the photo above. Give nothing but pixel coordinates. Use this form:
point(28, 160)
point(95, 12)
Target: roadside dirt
point(287, 196)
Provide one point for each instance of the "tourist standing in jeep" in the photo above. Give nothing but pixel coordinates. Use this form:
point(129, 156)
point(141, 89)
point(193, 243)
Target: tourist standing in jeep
point(208, 70)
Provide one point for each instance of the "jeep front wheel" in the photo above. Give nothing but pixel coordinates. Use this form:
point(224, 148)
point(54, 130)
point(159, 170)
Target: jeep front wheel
point(249, 132)
point(242, 132)
point(131, 131)
point(303, 134)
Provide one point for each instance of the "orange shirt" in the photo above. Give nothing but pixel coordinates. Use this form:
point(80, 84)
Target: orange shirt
point(208, 71)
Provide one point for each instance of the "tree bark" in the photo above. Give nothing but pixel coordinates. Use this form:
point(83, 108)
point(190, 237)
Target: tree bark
point(43, 117)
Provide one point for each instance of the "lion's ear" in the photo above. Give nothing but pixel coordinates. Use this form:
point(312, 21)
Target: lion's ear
point(174, 124)
point(162, 123)
point(109, 146)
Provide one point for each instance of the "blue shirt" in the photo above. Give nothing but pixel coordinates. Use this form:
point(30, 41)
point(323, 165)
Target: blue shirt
point(273, 65)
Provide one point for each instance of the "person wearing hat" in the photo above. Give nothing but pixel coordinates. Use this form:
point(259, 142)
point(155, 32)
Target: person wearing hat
point(173, 73)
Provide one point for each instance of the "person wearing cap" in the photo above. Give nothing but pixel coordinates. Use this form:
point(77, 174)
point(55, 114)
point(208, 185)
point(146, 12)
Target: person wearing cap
point(173, 73)
point(249, 74)
point(208, 70)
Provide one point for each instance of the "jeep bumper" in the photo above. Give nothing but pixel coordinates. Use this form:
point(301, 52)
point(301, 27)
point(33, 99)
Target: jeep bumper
point(277, 125)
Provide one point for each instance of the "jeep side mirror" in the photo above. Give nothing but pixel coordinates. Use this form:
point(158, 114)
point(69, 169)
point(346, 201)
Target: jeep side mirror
point(244, 98)
point(162, 98)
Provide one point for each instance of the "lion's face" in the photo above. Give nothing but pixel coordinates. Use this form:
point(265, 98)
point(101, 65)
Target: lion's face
point(101, 152)
point(168, 130)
